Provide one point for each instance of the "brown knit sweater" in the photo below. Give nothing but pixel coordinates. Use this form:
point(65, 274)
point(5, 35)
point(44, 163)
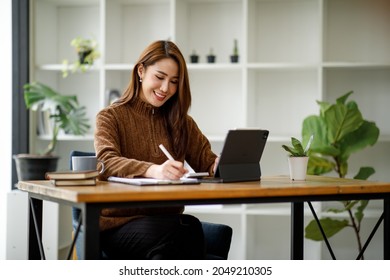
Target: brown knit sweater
point(127, 138)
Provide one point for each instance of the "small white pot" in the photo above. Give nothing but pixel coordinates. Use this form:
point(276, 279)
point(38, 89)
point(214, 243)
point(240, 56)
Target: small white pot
point(298, 167)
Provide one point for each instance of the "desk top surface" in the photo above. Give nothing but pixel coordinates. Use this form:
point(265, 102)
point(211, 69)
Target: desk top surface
point(268, 187)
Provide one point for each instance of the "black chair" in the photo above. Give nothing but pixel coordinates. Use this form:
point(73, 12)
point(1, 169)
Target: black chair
point(217, 236)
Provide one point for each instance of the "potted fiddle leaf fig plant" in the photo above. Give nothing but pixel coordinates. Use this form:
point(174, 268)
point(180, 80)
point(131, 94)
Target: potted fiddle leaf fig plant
point(87, 53)
point(66, 115)
point(298, 158)
point(340, 131)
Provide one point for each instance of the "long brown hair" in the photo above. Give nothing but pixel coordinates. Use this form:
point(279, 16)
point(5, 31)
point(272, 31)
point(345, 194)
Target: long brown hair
point(175, 110)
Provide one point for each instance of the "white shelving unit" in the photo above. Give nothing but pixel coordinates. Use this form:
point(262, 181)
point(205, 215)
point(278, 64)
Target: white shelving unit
point(292, 53)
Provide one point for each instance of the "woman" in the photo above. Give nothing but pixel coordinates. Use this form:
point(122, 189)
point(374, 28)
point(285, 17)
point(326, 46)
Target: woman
point(152, 111)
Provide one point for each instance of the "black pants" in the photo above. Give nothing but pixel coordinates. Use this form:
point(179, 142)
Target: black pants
point(169, 237)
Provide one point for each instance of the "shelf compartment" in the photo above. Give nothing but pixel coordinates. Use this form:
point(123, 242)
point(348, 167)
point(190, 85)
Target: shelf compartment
point(202, 25)
point(357, 31)
point(56, 23)
point(295, 35)
point(371, 92)
point(220, 94)
point(280, 100)
point(132, 25)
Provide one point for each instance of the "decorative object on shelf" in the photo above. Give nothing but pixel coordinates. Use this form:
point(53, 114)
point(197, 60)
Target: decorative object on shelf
point(298, 159)
point(211, 57)
point(65, 113)
point(194, 57)
point(234, 58)
point(87, 54)
point(112, 95)
point(340, 131)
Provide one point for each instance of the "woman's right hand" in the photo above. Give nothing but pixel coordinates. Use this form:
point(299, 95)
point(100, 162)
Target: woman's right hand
point(170, 169)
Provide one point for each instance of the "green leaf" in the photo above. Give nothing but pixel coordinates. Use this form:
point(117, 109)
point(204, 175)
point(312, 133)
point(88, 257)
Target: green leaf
point(330, 226)
point(343, 167)
point(323, 107)
point(296, 150)
point(38, 95)
point(359, 213)
point(74, 122)
point(341, 121)
point(350, 204)
point(314, 125)
point(318, 165)
point(364, 173)
point(366, 135)
point(297, 146)
point(327, 151)
point(64, 109)
point(342, 99)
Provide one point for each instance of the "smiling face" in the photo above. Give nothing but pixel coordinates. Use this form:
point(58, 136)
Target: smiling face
point(159, 81)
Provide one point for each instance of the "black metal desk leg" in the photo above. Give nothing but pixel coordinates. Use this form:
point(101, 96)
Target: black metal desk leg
point(90, 219)
point(386, 229)
point(35, 248)
point(297, 237)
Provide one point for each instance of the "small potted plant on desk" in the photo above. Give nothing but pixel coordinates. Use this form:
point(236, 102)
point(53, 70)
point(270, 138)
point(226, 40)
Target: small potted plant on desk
point(65, 113)
point(298, 158)
point(211, 57)
point(87, 53)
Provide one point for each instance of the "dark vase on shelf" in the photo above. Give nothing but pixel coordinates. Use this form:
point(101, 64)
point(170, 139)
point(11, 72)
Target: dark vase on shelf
point(211, 58)
point(194, 58)
point(83, 56)
point(113, 95)
point(234, 58)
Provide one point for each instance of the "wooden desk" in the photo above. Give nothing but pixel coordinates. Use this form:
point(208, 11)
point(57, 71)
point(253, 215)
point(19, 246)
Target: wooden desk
point(270, 189)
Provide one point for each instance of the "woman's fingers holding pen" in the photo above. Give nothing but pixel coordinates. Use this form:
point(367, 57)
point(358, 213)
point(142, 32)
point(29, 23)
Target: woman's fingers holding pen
point(173, 169)
point(170, 169)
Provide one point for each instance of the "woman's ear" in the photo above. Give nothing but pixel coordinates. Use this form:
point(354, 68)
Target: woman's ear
point(140, 71)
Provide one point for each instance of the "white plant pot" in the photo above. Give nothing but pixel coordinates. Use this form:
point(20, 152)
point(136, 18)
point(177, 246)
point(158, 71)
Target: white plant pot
point(298, 168)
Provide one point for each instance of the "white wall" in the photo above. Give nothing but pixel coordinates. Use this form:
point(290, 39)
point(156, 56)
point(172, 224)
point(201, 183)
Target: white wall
point(5, 115)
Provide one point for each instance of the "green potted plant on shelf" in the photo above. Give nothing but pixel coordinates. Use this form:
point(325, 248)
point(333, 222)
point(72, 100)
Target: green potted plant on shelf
point(87, 53)
point(235, 56)
point(194, 57)
point(211, 57)
point(62, 112)
point(298, 158)
point(340, 130)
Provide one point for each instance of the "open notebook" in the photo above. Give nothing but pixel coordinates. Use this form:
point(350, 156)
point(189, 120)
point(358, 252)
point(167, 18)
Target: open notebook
point(153, 182)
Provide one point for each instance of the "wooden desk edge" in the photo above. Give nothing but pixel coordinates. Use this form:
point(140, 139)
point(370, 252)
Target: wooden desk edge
point(275, 186)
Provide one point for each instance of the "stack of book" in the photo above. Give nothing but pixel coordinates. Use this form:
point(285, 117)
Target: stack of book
point(73, 178)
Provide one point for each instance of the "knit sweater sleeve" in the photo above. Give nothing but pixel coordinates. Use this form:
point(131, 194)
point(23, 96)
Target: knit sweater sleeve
point(109, 146)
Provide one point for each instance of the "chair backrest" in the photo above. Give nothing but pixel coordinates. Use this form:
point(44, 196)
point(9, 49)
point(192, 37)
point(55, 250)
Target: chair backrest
point(218, 238)
point(78, 154)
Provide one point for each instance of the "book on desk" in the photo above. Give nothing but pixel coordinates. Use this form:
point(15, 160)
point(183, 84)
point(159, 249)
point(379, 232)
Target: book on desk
point(73, 182)
point(72, 178)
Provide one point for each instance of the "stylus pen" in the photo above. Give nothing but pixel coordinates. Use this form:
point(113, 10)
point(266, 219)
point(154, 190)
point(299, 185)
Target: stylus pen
point(166, 153)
